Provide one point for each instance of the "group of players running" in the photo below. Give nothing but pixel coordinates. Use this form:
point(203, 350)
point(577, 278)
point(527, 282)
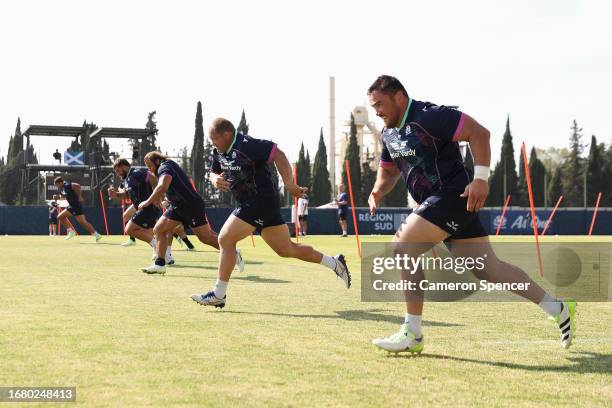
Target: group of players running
point(420, 145)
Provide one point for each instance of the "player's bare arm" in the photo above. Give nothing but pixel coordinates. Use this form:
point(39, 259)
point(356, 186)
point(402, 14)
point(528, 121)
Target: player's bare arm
point(284, 169)
point(478, 137)
point(77, 189)
point(158, 193)
point(386, 177)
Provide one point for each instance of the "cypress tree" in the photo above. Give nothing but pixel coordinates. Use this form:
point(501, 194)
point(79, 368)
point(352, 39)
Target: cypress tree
point(596, 172)
point(555, 186)
point(573, 170)
point(243, 126)
point(353, 157)
point(538, 173)
point(197, 150)
point(368, 177)
point(522, 195)
point(321, 187)
point(503, 180)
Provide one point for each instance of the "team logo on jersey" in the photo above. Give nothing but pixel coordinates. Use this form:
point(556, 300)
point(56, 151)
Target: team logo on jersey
point(233, 155)
point(408, 130)
point(452, 224)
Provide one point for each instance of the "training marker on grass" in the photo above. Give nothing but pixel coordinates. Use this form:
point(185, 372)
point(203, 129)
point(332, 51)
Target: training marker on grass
point(501, 219)
point(104, 212)
point(534, 221)
point(552, 214)
point(595, 213)
point(348, 177)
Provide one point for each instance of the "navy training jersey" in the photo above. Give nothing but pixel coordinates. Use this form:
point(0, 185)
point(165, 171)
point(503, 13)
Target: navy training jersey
point(343, 197)
point(70, 194)
point(245, 165)
point(137, 185)
point(425, 150)
point(181, 191)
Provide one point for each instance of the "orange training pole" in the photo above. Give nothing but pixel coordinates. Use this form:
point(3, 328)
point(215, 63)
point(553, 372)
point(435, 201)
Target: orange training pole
point(534, 221)
point(122, 211)
point(501, 220)
point(295, 203)
point(595, 213)
point(348, 176)
point(552, 214)
point(104, 212)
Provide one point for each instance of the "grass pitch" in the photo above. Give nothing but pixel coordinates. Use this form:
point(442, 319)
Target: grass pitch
point(73, 313)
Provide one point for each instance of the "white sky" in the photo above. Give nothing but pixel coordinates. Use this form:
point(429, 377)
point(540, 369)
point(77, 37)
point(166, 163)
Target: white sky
point(111, 62)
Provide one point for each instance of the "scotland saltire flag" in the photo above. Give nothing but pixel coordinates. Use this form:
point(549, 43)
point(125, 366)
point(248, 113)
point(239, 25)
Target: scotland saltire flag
point(73, 158)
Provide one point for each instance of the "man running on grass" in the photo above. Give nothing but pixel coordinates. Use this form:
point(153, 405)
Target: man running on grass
point(186, 207)
point(72, 193)
point(137, 185)
point(240, 165)
point(420, 145)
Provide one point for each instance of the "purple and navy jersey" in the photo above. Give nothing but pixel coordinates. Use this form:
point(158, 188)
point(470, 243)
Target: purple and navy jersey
point(245, 166)
point(425, 150)
point(181, 191)
point(343, 197)
point(70, 194)
point(137, 185)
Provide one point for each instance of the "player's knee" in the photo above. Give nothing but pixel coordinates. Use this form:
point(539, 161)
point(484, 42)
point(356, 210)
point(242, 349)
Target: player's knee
point(226, 241)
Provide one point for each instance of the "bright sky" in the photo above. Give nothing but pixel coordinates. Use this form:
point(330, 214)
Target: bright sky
point(544, 62)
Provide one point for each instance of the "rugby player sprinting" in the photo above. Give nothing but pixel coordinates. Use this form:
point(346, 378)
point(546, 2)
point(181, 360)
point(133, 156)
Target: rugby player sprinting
point(240, 165)
point(420, 145)
point(186, 207)
point(137, 185)
point(72, 193)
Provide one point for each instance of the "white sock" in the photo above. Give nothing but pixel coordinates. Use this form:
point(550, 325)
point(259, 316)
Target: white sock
point(329, 261)
point(550, 305)
point(153, 243)
point(168, 252)
point(220, 288)
point(414, 324)
point(344, 232)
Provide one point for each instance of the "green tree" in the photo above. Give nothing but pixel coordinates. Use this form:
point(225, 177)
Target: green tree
point(149, 143)
point(555, 187)
point(503, 180)
point(353, 157)
point(303, 169)
point(538, 173)
point(321, 187)
point(573, 170)
point(522, 194)
point(243, 126)
point(197, 150)
point(596, 171)
point(368, 176)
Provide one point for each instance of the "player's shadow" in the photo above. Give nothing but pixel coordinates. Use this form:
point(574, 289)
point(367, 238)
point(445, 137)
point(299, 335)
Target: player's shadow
point(177, 266)
point(259, 279)
point(579, 362)
point(351, 315)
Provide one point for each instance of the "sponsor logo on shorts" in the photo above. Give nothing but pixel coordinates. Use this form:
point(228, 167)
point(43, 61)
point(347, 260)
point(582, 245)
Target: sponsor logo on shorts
point(259, 221)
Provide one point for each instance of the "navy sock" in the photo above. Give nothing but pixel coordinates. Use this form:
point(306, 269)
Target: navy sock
point(160, 261)
point(132, 239)
point(188, 243)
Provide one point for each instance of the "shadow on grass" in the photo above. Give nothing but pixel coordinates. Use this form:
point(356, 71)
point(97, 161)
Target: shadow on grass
point(259, 279)
point(580, 362)
point(177, 266)
point(351, 315)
